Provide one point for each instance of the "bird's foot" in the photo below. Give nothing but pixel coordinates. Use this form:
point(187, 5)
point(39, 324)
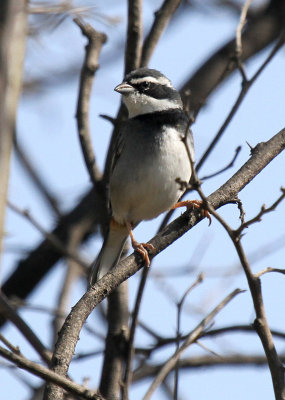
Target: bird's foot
point(141, 248)
point(190, 204)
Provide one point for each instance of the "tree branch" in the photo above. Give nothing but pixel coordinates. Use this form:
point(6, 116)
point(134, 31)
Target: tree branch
point(193, 336)
point(89, 68)
point(26, 331)
point(260, 32)
point(134, 35)
point(262, 154)
point(261, 325)
point(48, 375)
point(233, 360)
point(13, 29)
point(162, 18)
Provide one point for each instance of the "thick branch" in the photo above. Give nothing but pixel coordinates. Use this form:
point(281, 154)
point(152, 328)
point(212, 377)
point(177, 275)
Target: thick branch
point(134, 35)
point(48, 375)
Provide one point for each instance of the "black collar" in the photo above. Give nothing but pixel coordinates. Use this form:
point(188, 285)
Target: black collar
point(172, 116)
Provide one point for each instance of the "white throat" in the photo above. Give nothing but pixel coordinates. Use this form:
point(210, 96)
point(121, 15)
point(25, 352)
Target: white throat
point(138, 104)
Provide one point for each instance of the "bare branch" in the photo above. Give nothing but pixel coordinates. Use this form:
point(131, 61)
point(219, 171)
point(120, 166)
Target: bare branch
point(14, 349)
point(263, 154)
point(115, 343)
point(89, 68)
point(51, 238)
point(193, 336)
point(246, 84)
point(131, 349)
point(228, 166)
point(134, 35)
point(267, 270)
point(240, 27)
point(264, 210)
point(33, 339)
point(221, 64)
point(49, 375)
point(162, 18)
point(199, 279)
point(234, 360)
point(260, 323)
point(36, 178)
point(13, 26)
point(161, 342)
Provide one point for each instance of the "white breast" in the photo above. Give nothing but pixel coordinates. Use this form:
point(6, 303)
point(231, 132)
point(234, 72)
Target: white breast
point(144, 181)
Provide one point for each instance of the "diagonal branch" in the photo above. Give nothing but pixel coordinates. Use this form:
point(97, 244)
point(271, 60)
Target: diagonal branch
point(48, 375)
point(261, 156)
point(162, 17)
point(32, 338)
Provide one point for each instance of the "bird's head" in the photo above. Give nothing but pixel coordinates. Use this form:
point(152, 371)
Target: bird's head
point(146, 91)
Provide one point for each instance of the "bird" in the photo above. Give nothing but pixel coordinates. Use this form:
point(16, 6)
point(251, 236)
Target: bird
point(151, 165)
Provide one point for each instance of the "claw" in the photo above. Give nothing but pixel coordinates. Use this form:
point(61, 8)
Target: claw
point(141, 248)
point(194, 204)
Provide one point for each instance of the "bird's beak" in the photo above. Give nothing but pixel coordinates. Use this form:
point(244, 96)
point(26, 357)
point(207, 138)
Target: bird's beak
point(124, 88)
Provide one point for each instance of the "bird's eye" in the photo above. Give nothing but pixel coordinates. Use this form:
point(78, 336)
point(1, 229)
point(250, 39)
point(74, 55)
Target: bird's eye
point(145, 85)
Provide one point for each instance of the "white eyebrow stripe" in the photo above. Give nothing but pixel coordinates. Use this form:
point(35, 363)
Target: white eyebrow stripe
point(161, 80)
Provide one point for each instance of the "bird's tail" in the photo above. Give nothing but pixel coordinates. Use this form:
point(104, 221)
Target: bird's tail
point(110, 252)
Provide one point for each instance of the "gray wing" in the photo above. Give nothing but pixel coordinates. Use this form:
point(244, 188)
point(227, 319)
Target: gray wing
point(118, 147)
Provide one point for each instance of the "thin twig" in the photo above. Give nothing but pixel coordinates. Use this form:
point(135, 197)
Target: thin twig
point(71, 274)
point(267, 270)
point(264, 210)
point(26, 331)
point(244, 89)
point(89, 68)
point(231, 360)
point(260, 323)
point(228, 166)
point(162, 18)
point(240, 26)
point(238, 50)
point(35, 177)
point(50, 237)
point(130, 349)
point(178, 330)
point(162, 342)
point(14, 349)
point(193, 336)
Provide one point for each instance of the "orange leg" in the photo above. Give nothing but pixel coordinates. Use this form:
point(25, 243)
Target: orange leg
point(194, 204)
point(140, 247)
